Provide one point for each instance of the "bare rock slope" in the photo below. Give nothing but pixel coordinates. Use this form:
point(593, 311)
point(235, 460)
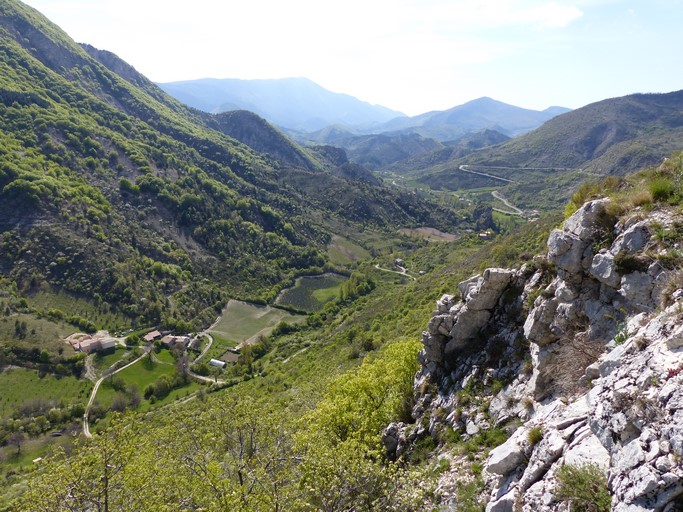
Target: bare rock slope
point(578, 355)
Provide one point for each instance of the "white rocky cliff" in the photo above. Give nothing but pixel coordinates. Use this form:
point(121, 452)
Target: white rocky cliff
point(578, 356)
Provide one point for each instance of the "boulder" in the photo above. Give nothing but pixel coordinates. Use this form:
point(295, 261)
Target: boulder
point(636, 289)
point(548, 450)
point(537, 324)
point(603, 269)
point(504, 504)
point(633, 239)
point(588, 221)
point(483, 292)
point(434, 347)
point(445, 303)
point(506, 457)
point(467, 325)
point(565, 250)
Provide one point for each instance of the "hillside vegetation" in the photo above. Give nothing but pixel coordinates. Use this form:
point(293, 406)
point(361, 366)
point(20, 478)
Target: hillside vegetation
point(611, 137)
point(118, 194)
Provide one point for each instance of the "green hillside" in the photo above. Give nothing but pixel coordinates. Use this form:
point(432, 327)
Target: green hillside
point(115, 192)
point(610, 137)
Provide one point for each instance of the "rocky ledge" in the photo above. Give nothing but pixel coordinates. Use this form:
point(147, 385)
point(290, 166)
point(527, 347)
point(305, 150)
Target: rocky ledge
point(578, 355)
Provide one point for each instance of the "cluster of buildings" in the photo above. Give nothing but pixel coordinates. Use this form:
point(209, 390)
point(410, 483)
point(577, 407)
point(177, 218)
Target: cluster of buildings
point(168, 341)
point(175, 341)
point(89, 344)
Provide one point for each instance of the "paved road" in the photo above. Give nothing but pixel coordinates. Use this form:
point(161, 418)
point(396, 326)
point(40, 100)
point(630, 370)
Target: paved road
point(208, 345)
point(464, 168)
point(516, 211)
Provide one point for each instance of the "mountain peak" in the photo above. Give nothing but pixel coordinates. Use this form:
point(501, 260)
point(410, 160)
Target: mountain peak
point(296, 103)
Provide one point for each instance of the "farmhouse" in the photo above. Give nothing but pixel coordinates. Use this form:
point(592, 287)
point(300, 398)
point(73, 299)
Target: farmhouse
point(90, 345)
point(108, 344)
point(151, 336)
point(168, 341)
point(171, 341)
point(183, 341)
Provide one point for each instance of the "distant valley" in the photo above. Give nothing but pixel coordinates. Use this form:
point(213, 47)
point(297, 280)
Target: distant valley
point(539, 156)
point(221, 301)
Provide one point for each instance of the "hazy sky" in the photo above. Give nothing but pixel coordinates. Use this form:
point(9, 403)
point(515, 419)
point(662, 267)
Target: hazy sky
point(409, 55)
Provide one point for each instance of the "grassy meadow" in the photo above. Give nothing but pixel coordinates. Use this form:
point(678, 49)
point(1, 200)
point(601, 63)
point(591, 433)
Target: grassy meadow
point(19, 385)
point(343, 251)
point(311, 293)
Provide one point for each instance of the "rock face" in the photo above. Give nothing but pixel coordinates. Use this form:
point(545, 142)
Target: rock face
point(584, 346)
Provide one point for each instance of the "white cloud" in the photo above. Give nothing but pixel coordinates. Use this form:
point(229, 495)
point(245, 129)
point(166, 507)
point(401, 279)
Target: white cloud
point(554, 15)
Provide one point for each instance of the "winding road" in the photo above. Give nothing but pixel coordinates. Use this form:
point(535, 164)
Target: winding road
point(403, 272)
point(208, 345)
point(86, 425)
point(464, 168)
point(516, 211)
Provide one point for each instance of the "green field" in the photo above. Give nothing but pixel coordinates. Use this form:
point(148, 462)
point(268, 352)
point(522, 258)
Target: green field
point(311, 293)
point(141, 375)
point(19, 385)
point(102, 360)
point(343, 251)
point(242, 321)
point(165, 356)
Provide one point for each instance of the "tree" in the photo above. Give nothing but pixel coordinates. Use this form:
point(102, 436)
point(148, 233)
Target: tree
point(16, 439)
point(182, 368)
point(119, 403)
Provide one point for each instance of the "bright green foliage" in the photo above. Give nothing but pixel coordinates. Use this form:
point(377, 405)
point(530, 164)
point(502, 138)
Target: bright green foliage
point(535, 435)
point(361, 402)
point(112, 191)
point(236, 452)
point(584, 487)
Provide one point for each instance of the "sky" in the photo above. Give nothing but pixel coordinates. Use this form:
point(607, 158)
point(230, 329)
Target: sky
point(412, 56)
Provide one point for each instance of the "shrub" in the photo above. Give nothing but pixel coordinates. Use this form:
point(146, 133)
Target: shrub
point(584, 488)
point(626, 262)
point(535, 435)
point(661, 189)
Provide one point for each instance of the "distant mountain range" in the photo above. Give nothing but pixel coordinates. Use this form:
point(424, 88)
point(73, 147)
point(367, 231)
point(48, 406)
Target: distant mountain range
point(310, 113)
point(294, 103)
point(612, 136)
point(542, 168)
point(475, 116)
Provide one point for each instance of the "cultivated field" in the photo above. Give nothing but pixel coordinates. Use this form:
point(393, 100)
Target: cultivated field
point(311, 293)
point(19, 385)
point(242, 321)
point(343, 251)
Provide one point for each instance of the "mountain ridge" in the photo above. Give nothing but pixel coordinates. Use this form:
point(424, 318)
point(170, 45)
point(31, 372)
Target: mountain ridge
point(108, 164)
point(476, 115)
point(300, 105)
point(294, 103)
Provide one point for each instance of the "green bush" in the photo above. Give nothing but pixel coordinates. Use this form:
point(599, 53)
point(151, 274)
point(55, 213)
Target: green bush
point(584, 488)
point(626, 262)
point(535, 435)
point(661, 188)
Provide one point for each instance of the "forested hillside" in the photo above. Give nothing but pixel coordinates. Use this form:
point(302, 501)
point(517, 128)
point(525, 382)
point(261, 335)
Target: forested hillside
point(272, 342)
point(113, 190)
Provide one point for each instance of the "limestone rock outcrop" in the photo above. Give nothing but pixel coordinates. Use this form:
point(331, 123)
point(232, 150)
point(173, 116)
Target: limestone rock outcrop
point(584, 346)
